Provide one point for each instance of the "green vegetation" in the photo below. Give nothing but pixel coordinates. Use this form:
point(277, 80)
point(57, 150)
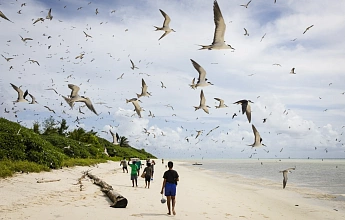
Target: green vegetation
point(34, 150)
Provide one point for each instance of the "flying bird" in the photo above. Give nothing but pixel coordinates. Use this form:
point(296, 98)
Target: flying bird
point(193, 85)
point(74, 95)
point(33, 99)
point(202, 81)
point(292, 71)
point(7, 59)
point(221, 103)
point(49, 109)
point(144, 91)
point(38, 19)
point(257, 138)
point(165, 27)
point(245, 108)
point(202, 105)
point(246, 5)
point(163, 86)
point(87, 102)
point(233, 116)
point(86, 35)
point(263, 37)
point(133, 66)
point(307, 29)
point(49, 16)
point(25, 39)
point(21, 94)
point(246, 32)
point(198, 134)
point(137, 107)
point(285, 178)
point(218, 38)
point(116, 137)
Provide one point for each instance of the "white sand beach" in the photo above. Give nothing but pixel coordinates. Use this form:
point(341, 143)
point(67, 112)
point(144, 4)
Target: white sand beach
point(200, 195)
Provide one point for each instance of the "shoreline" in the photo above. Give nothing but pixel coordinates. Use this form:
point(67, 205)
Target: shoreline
point(201, 194)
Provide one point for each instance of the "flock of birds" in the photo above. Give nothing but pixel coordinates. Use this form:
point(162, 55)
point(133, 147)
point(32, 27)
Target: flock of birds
point(218, 43)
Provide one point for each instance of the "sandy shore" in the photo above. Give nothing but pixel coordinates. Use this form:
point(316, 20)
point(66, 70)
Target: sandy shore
point(200, 195)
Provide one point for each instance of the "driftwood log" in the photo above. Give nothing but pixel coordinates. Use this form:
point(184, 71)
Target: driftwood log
point(47, 181)
point(118, 200)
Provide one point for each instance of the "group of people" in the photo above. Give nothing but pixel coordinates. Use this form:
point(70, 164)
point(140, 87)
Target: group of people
point(170, 179)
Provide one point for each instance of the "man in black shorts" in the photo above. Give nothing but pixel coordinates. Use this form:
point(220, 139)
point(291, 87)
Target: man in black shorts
point(169, 184)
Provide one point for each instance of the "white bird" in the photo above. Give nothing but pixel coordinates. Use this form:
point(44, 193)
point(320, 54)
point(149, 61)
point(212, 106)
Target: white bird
point(21, 94)
point(4, 17)
point(74, 95)
point(257, 138)
point(133, 66)
point(137, 107)
point(292, 71)
point(81, 56)
point(245, 108)
point(285, 178)
point(218, 38)
point(165, 27)
point(202, 105)
point(49, 16)
point(38, 19)
point(116, 137)
point(221, 103)
point(202, 81)
point(144, 91)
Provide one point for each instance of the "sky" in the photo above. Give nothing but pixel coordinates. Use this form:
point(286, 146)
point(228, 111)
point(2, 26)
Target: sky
point(305, 112)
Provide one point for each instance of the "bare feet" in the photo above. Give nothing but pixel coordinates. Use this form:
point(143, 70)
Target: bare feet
point(168, 213)
point(174, 212)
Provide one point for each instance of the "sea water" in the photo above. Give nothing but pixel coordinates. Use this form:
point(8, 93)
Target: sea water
point(327, 175)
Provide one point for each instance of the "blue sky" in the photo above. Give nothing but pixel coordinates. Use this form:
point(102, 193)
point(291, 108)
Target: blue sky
point(246, 73)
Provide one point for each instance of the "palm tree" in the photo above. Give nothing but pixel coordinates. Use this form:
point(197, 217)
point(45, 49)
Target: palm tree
point(124, 142)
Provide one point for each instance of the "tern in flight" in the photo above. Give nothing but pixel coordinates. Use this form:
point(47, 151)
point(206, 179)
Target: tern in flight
point(21, 94)
point(144, 91)
point(221, 103)
point(133, 66)
point(137, 107)
point(292, 71)
point(257, 138)
point(218, 38)
point(165, 27)
point(49, 16)
point(116, 138)
point(74, 95)
point(307, 29)
point(285, 178)
point(202, 105)
point(202, 81)
point(245, 108)
point(246, 5)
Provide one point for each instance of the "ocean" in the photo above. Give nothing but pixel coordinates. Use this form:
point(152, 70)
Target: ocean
point(327, 175)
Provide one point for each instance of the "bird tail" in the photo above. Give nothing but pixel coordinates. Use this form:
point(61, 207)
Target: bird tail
point(196, 108)
point(157, 28)
point(127, 100)
point(203, 47)
point(138, 95)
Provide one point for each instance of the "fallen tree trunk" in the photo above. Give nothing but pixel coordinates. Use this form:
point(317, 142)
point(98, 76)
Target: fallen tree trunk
point(47, 181)
point(118, 200)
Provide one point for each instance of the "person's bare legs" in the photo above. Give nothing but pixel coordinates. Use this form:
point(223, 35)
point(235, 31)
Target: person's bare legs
point(132, 183)
point(136, 182)
point(168, 204)
point(173, 201)
point(149, 185)
point(146, 184)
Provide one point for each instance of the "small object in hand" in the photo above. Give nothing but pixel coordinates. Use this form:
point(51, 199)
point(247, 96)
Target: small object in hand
point(163, 200)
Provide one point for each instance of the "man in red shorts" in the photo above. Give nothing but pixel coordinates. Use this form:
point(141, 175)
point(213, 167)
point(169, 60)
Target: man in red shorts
point(169, 185)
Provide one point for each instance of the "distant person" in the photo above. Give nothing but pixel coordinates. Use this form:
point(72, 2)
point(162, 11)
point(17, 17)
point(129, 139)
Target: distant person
point(124, 165)
point(169, 185)
point(153, 163)
point(134, 173)
point(138, 163)
point(148, 175)
point(162, 161)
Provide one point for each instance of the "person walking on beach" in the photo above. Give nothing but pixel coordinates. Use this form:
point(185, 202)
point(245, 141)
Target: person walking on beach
point(134, 173)
point(148, 174)
point(169, 185)
point(124, 165)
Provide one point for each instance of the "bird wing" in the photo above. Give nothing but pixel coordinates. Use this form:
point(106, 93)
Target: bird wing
point(132, 64)
point(201, 71)
point(33, 99)
point(166, 20)
point(137, 107)
point(117, 137)
point(88, 103)
point(143, 86)
point(163, 35)
point(248, 111)
point(202, 98)
point(256, 135)
point(285, 178)
point(3, 16)
point(220, 24)
point(75, 90)
point(20, 92)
